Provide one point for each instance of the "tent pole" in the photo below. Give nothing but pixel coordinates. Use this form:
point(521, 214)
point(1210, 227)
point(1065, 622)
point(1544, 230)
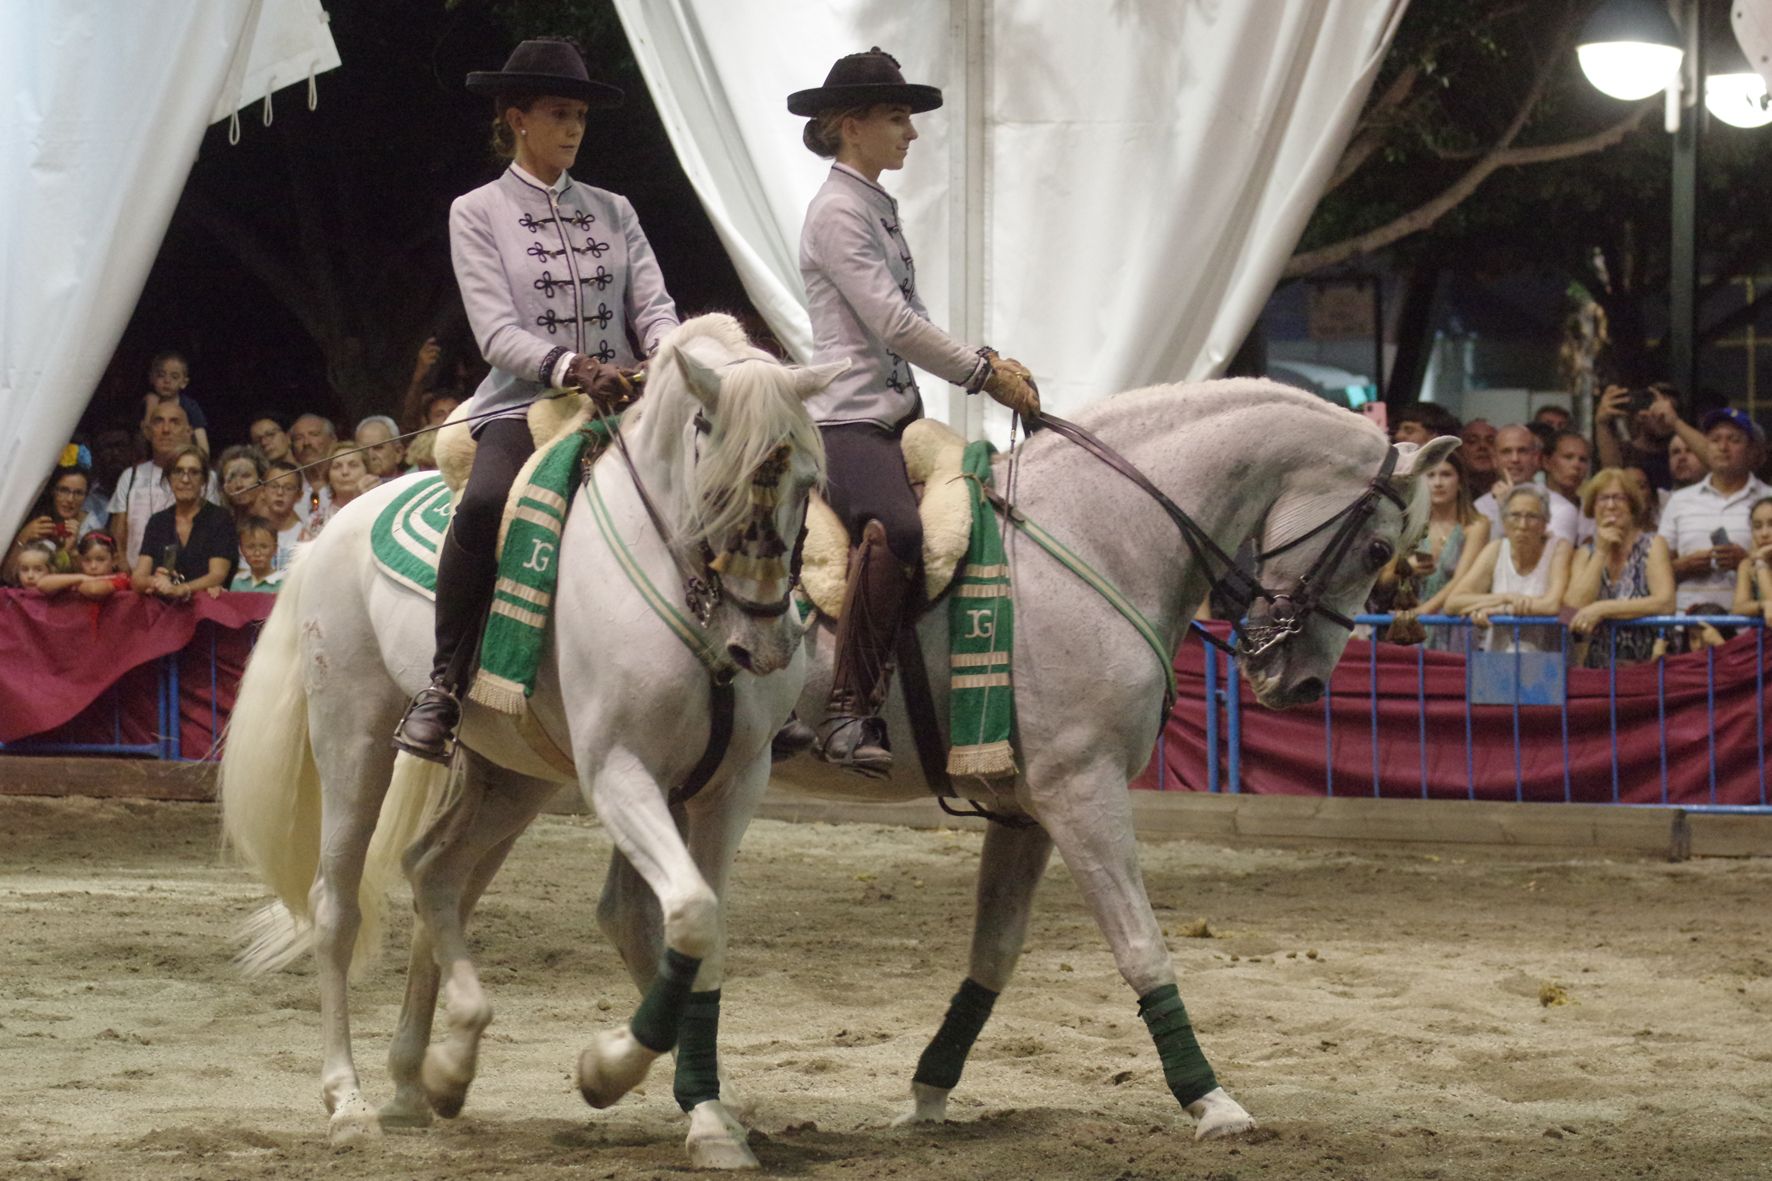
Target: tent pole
point(968, 160)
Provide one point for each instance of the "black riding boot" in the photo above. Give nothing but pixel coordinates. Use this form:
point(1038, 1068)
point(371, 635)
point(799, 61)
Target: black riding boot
point(464, 591)
point(853, 735)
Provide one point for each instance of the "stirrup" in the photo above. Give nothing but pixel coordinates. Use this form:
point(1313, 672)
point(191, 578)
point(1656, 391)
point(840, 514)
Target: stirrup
point(434, 707)
point(855, 743)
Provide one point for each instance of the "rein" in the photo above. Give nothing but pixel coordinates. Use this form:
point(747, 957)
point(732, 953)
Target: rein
point(1288, 610)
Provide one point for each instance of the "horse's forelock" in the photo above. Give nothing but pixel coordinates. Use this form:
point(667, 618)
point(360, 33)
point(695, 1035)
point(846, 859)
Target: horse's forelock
point(759, 410)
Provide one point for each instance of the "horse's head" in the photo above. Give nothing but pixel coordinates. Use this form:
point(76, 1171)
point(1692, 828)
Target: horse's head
point(1328, 535)
point(758, 457)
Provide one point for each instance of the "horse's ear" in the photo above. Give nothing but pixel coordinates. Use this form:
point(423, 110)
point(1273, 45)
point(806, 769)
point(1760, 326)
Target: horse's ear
point(809, 379)
point(1414, 461)
point(701, 379)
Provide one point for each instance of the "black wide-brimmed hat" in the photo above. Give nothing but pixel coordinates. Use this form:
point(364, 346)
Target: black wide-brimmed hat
point(861, 80)
point(546, 67)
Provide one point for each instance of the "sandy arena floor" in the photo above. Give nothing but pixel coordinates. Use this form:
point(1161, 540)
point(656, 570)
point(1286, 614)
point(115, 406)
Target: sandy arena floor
point(1382, 1015)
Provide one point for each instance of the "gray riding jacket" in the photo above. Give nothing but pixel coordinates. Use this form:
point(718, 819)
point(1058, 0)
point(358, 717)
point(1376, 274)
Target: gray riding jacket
point(547, 272)
point(861, 292)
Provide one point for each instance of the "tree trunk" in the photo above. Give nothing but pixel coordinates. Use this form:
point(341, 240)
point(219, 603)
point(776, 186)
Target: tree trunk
point(1413, 334)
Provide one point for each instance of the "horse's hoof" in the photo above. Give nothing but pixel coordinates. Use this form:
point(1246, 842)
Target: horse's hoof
point(407, 1109)
point(1219, 1116)
point(445, 1079)
point(611, 1066)
point(716, 1140)
point(352, 1120)
point(929, 1105)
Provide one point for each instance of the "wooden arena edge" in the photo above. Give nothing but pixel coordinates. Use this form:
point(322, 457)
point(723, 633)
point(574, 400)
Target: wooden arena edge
point(1236, 820)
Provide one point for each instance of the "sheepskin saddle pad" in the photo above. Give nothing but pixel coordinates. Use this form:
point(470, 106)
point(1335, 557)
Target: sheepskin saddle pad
point(932, 457)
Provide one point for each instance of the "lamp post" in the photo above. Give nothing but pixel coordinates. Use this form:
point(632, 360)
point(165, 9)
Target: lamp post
point(1630, 49)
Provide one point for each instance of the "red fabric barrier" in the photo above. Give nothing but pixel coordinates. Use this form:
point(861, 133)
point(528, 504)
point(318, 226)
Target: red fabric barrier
point(1284, 753)
point(59, 657)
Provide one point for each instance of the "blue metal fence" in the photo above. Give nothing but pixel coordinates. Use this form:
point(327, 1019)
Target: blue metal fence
point(1224, 739)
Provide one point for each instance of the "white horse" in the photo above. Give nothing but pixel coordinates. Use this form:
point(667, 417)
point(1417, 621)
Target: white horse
point(1246, 459)
point(727, 455)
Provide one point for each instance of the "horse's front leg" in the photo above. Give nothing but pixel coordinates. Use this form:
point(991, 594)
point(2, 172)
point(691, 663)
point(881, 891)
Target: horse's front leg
point(1014, 860)
point(485, 811)
point(632, 807)
point(1088, 811)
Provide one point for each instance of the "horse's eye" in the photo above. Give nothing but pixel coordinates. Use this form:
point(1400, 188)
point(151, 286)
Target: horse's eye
point(1378, 553)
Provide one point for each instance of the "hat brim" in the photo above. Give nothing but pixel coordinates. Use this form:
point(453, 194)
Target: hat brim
point(493, 83)
point(918, 97)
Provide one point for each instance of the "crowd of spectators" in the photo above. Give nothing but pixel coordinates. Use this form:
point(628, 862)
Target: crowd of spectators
point(1675, 520)
point(1520, 523)
point(154, 510)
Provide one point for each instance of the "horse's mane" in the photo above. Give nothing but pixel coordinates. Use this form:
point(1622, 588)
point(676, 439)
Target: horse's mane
point(1207, 397)
point(760, 409)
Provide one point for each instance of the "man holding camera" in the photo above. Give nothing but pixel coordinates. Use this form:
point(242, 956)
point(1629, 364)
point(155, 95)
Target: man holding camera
point(1706, 525)
point(1635, 427)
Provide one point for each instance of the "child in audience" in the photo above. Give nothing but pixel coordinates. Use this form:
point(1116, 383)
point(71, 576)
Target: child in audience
point(98, 578)
point(33, 564)
point(169, 375)
point(281, 492)
point(258, 546)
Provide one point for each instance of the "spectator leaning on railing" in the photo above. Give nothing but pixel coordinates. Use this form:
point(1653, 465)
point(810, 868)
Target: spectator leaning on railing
point(1456, 534)
point(1524, 572)
point(1624, 574)
point(1706, 524)
point(1753, 578)
point(192, 545)
point(60, 519)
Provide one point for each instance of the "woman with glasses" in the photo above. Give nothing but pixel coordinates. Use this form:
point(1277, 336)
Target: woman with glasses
point(60, 518)
point(1524, 572)
point(1625, 573)
point(191, 546)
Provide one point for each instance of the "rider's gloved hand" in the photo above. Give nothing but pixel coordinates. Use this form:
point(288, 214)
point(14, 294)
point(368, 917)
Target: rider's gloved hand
point(606, 385)
point(1012, 385)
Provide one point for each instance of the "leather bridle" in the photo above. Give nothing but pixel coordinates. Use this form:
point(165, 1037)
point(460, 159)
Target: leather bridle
point(703, 588)
point(1288, 610)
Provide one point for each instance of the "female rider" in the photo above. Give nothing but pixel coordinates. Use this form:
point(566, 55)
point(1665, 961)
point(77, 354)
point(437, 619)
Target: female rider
point(562, 290)
point(862, 296)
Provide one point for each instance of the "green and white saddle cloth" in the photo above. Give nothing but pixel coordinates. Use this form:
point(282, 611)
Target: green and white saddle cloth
point(408, 535)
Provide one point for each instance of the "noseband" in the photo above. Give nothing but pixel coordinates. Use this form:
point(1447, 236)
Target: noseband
point(1288, 610)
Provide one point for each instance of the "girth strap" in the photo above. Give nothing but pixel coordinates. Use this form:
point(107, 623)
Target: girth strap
point(722, 705)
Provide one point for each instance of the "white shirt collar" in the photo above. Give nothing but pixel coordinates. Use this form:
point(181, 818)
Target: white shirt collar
point(560, 182)
point(852, 173)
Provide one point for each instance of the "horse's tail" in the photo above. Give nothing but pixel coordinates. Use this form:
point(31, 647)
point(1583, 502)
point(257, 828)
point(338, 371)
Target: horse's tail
point(270, 787)
point(270, 794)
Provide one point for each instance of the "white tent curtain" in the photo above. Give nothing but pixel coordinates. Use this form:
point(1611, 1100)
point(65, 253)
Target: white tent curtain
point(106, 104)
point(1109, 192)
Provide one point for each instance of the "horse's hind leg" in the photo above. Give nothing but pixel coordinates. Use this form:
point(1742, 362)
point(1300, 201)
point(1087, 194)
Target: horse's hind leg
point(486, 808)
point(354, 766)
point(1089, 814)
point(1014, 860)
point(411, 1107)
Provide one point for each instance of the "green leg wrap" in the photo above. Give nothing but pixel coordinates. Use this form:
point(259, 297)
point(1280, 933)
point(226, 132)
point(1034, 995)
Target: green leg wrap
point(660, 1014)
point(1185, 1068)
point(945, 1057)
point(698, 1062)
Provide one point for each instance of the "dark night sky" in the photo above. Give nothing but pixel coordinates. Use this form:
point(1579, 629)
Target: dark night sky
point(396, 121)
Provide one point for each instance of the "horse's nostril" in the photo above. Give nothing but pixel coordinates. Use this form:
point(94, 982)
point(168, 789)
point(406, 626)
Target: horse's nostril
point(1310, 689)
point(741, 655)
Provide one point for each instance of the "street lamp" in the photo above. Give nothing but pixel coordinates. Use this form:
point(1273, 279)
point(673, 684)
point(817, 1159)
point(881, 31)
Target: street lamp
point(1630, 49)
